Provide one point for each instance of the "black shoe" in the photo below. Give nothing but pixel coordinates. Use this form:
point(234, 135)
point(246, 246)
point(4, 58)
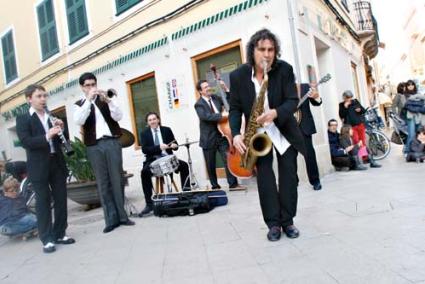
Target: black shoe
point(237, 187)
point(317, 186)
point(375, 165)
point(128, 223)
point(216, 187)
point(146, 210)
point(274, 234)
point(49, 248)
point(110, 228)
point(65, 241)
point(291, 231)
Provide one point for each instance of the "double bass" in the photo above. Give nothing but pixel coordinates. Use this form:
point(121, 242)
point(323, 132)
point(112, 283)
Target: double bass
point(233, 156)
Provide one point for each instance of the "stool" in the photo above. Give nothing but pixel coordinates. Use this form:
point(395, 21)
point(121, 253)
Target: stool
point(159, 185)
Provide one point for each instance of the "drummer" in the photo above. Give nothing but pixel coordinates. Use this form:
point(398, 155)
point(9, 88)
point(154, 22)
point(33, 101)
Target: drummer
point(157, 141)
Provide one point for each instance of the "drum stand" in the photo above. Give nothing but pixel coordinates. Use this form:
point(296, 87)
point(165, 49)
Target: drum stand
point(193, 185)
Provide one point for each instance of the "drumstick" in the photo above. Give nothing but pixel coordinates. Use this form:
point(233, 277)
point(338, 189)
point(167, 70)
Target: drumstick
point(169, 144)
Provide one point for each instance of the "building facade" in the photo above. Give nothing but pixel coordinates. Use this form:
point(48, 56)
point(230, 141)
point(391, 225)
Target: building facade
point(152, 53)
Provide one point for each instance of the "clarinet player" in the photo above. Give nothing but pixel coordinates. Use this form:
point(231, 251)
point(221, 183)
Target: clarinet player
point(46, 168)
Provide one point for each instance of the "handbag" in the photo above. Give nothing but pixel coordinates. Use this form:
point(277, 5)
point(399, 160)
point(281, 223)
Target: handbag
point(395, 138)
point(362, 152)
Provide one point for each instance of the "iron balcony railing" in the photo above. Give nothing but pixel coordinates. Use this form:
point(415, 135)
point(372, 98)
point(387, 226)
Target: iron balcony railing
point(363, 16)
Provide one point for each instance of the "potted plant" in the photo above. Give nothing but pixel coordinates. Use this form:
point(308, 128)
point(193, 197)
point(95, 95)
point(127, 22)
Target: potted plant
point(81, 185)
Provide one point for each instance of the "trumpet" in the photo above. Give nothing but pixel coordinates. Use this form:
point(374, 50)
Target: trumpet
point(107, 95)
point(65, 143)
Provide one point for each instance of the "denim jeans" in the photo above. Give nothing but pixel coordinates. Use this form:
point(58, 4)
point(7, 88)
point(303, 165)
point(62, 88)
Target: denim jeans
point(411, 134)
point(26, 223)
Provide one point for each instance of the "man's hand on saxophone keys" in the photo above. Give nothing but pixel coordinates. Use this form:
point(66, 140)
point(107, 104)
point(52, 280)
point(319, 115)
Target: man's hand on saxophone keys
point(267, 117)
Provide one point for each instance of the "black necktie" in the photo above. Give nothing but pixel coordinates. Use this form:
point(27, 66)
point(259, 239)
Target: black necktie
point(211, 106)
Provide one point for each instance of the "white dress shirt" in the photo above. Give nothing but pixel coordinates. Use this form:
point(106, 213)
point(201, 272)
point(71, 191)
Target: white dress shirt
point(279, 141)
point(164, 153)
point(44, 121)
point(213, 104)
point(81, 113)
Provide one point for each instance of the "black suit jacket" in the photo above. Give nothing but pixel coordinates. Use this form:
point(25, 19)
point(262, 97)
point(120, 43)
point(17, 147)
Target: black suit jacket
point(32, 135)
point(307, 122)
point(152, 151)
point(282, 96)
point(208, 120)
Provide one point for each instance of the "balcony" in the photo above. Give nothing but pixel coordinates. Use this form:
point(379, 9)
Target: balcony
point(366, 27)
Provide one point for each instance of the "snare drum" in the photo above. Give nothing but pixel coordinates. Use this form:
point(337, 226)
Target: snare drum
point(164, 166)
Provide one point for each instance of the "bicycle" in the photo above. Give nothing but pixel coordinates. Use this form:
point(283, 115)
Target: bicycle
point(378, 143)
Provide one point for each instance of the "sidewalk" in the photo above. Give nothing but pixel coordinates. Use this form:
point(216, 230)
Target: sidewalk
point(363, 227)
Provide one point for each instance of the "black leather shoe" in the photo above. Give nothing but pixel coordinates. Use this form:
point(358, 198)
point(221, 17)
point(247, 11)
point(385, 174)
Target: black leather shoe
point(146, 210)
point(291, 231)
point(65, 241)
point(49, 248)
point(110, 228)
point(128, 223)
point(375, 165)
point(274, 234)
point(216, 187)
point(317, 186)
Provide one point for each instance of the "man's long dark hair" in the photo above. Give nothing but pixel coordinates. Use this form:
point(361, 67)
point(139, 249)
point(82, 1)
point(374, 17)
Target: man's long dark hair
point(253, 41)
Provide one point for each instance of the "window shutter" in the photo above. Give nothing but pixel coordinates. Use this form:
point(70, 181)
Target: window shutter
point(9, 59)
point(77, 19)
point(47, 29)
point(124, 5)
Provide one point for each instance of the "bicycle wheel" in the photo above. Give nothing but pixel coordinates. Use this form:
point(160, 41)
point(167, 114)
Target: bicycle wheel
point(379, 145)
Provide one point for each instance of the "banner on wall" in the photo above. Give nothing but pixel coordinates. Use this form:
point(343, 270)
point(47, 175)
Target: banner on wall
point(175, 96)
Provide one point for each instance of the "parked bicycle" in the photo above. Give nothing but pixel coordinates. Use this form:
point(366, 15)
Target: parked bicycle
point(379, 144)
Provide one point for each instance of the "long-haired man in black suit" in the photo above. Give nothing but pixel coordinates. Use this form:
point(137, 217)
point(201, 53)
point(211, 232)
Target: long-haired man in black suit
point(46, 168)
point(279, 207)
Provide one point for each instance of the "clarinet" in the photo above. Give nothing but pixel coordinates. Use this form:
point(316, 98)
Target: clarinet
point(65, 143)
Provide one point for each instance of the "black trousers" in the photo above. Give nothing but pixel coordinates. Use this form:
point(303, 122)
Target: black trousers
point(279, 205)
point(54, 187)
point(106, 160)
point(311, 161)
point(146, 175)
point(343, 162)
point(210, 159)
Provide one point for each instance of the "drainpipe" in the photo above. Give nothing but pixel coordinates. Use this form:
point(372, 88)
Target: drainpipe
point(294, 41)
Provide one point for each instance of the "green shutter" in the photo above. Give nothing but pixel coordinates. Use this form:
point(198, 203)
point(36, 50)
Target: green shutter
point(9, 59)
point(124, 5)
point(47, 29)
point(77, 19)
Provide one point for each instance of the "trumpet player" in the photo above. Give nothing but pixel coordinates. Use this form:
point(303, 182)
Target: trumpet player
point(278, 204)
point(46, 168)
point(98, 116)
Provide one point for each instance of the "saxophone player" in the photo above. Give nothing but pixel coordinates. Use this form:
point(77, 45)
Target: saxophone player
point(278, 204)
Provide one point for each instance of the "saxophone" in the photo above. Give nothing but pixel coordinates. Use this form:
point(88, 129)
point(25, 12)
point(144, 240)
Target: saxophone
point(258, 144)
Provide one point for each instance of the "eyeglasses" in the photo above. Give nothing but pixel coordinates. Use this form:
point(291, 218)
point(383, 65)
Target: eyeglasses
point(333, 125)
point(90, 85)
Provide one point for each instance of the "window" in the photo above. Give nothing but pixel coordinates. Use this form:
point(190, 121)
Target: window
point(9, 58)
point(355, 80)
point(77, 19)
point(47, 29)
point(143, 99)
point(124, 5)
